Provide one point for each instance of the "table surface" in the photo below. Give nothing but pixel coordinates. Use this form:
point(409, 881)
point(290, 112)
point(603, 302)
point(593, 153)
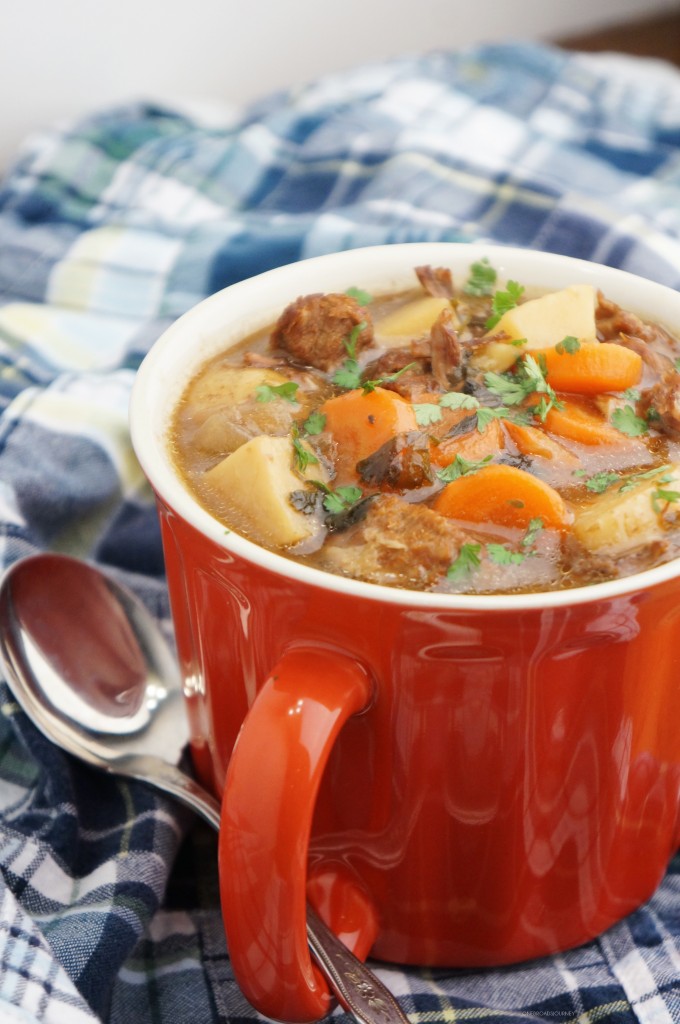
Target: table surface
point(658, 36)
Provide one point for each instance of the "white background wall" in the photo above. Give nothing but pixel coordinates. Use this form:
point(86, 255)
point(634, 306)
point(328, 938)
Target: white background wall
point(64, 57)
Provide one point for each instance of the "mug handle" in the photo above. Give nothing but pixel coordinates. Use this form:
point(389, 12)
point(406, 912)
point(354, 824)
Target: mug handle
point(269, 795)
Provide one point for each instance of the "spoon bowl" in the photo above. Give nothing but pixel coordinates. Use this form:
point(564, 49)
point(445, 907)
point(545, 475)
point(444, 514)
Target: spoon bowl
point(90, 667)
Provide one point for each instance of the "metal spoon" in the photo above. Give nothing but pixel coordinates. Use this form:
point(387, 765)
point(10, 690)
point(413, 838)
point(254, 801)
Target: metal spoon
point(90, 667)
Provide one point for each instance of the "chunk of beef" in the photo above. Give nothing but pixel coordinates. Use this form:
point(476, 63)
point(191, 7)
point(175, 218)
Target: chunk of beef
point(436, 281)
point(314, 329)
point(664, 400)
point(612, 322)
point(446, 351)
point(398, 544)
point(656, 361)
point(402, 463)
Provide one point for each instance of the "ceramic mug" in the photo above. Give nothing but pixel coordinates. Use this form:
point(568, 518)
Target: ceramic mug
point(451, 780)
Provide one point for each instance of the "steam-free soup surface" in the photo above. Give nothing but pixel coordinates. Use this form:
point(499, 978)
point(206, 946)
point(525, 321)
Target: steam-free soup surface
point(464, 436)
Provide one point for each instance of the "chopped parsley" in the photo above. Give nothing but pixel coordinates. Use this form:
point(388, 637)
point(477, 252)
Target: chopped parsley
point(302, 456)
point(359, 295)
point(371, 385)
point(635, 478)
point(315, 423)
point(661, 498)
point(467, 561)
point(628, 422)
point(568, 345)
point(349, 374)
point(338, 500)
point(501, 554)
point(534, 528)
point(503, 301)
point(482, 278)
point(528, 379)
point(461, 467)
point(430, 412)
point(270, 392)
point(600, 482)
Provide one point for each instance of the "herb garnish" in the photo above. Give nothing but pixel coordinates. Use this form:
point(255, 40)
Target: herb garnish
point(349, 374)
point(301, 455)
point(461, 467)
point(503, 301)
point(315, 423)
point(270, 392)
point(359, 295)
point(664, 497)
point(628, 422)
point(570, 344)
point(501, 554)
point(482, 278)
point(430, 412)
point(527, 379)
point(599, 483)
point(467, 560)
point(340, 499)
point(635, 478)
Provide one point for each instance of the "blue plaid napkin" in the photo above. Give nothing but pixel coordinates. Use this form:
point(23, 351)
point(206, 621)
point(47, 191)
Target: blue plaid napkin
point(112, 227)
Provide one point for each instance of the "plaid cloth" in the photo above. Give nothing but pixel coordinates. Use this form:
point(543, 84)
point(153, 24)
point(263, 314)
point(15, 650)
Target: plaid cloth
point(112, 227)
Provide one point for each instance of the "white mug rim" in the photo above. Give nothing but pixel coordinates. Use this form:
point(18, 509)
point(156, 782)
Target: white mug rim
point(239, 309)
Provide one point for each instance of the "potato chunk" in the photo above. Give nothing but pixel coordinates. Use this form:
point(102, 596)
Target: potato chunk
point(225, 386)
point(615, 523)
point(257, 480)
point(540, 323)
point(412, 320)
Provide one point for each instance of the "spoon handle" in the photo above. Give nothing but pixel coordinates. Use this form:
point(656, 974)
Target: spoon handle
point(356, 987)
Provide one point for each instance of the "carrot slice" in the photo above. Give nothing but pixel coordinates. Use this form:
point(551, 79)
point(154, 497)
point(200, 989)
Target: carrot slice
point(473, 446)
point(533, 441)
point(361, 422)
point(503, 495)
point(580, 421)
point(593, 368)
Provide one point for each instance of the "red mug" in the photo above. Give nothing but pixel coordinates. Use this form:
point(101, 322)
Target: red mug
point(451, 780)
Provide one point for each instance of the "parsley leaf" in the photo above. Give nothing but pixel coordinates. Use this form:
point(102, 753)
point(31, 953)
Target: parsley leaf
point(662, 498)
point(467, 560)
point(458, 400)
point(371, 385)
point(270, 392)
point(599, 482)
point(534, 528)
point(349, 374)
point(340, 499)
point(636, 478)
point(302, 456)
point(502, 555)
point(315, 423)
point(359, 295)
point(511, 388)
point(461, 467)
point(627, 422)
point(504, 301)
point(427, 413)
point(482, 278)
point(485, 415)
point(570, 344)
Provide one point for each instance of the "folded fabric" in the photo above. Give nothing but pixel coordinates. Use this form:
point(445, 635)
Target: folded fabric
point(109, 229)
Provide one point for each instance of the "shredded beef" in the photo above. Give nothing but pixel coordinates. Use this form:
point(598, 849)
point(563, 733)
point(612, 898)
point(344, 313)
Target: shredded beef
point(315, 328)
point(446, 351)
point(436, 281)
point(664, 400)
